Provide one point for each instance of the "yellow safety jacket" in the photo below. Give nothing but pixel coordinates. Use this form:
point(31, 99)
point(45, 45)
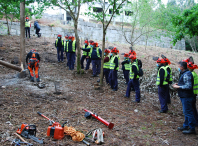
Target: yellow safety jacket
point(106, 65)
point(27, 23)
point(195, 86)
point(112, 64)
point(131, 71)
point(73, 46)
point(165, 76)
point(127, 65)
point(84, 52)
point(57, 42)
point(97, 50)
point(171, 78)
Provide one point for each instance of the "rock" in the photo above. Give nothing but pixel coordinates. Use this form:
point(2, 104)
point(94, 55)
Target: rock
point(136, 110)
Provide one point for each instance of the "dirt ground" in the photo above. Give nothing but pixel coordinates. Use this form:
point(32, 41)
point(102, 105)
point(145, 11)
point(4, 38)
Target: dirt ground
point(135, 124)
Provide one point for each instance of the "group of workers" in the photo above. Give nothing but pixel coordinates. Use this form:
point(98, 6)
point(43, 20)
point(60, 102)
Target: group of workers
point(28, 26)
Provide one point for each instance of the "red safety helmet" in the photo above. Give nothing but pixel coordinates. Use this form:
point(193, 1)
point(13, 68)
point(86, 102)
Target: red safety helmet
point(160, 61)
point(86, 42)
point(90, 41)
point(126, 55)
point(167, 61)
point(186, 60)
point(191, 65)
point(66, 36)
point(96, 44)
point(27, 18)
point(106, 51)
point(114, 50)
point(131, 52)
point(59, 35)
point(133, 57)
point(70, 37)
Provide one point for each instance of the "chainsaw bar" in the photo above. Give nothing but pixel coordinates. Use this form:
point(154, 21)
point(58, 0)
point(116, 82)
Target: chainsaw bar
point(36, 139)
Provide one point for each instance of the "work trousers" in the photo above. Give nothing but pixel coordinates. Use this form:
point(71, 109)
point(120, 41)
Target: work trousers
point(27, 30)
point(88, 60)
point(37, 31)
point(126, 75)
point(188, 112)
point(162, 92)
point(96, 64)
point(113, 79)
point(60, 53)
point(34, 67)
point(168, 95)
point(106, 74)
point(136, 85)
point(195, 110)
point(71, 60)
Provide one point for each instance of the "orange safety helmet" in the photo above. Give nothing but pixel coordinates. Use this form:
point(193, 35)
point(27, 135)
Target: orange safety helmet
point(70, 37)
point(73, 38)
point(96, 44)
point(131, 52)
point(166, 60)
point(114, 50)
point(133, 57)
point(86, 42)
point(160, 61)
point(126, 55)
point(191, 65)
point(59, 35)
point(106, 51)
point(27, 18)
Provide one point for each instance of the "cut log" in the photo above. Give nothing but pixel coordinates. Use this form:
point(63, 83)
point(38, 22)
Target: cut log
point(9, 65)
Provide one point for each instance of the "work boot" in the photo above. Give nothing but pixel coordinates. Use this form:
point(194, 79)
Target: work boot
point(32, 79)
point(98, 81)
point(38, 80)
point(93, 76)
point(126, 96)
point(182, 128)
point(190, 131)
point(136, 101)
point(161, 111)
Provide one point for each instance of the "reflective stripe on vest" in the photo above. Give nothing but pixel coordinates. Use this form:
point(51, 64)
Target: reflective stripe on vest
point(27, 23)
point(165, 76)
point(73, 46)
point(112, 64)
point(127, 65)
point(57, 42)
point(195, 86)
point(84, 52)
point(131, 71)
point(107, 64)
point(171, 78)
point(97, 50)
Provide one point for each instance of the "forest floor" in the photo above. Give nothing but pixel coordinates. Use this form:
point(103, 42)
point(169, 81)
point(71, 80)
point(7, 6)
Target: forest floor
point(135, 123)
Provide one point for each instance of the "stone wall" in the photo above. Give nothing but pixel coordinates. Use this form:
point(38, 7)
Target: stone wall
point(94, 31)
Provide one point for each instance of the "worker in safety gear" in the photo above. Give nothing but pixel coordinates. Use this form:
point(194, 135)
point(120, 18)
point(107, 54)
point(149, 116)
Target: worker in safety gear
point(114, 66)
point(132, 52)
point(27, 26)
point(162, 85)
point(106, 65)
point(65, 47)
point(169, 77)
point(37, 27)
point(134, 79)
point(191, 68)
point(71, 52)
point(126, 67)
point(33, 59)
point(95, 55)
point(86, 49)
point(59, 44)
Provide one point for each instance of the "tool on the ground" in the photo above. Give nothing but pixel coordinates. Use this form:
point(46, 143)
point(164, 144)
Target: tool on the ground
point(76, 135)
point(88, 114)
point(96, 134)
point(18, 142)
point(57, 88)
point(55, 129)
point(29, 132)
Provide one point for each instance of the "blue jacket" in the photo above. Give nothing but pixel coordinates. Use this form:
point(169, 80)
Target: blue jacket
point(36, 25)
point(94, 54)
point(186, 84)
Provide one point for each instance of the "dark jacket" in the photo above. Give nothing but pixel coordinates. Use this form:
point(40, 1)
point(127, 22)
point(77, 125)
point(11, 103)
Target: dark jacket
point(168, 71)
point(29, 55)
point(125, 62)
point(116, 62)
point(59, 44)
point(135, 71)
point(94, 54)
point(70, 49)
point(36, 25)
point(186, 84)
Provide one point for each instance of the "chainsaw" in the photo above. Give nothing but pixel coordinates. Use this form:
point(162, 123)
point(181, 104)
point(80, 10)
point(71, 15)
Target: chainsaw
point(29, 132)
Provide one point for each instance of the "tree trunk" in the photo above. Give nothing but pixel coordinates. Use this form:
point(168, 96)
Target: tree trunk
point(22, 35)
point(102, 59)
point(77, 45)
point(7, 25)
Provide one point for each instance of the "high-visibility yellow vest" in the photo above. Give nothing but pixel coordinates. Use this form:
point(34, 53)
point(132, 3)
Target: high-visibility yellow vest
point(57, 42)
point(65, 44)
point(84, 52)
point(106, 65)
point(27, 23)
point(131, 71)
point(165, 76)
point(97, 50)
point(195, 86)
point(171, 78)
point(112, 64)
point(73, 46)
point(127, 65)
